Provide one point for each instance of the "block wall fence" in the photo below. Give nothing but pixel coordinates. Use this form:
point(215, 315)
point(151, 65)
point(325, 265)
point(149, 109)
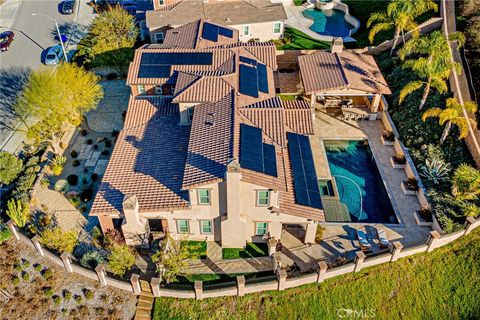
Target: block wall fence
point(242, 287)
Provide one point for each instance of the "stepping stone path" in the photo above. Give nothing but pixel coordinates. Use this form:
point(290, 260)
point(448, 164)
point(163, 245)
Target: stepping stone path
point(145, 302)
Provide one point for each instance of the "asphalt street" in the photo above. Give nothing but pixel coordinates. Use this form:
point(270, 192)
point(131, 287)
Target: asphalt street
point(33, 36)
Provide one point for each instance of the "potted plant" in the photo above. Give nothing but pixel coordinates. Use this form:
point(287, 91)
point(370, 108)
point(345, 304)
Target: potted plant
point(388, 138)
point(423, 217)
point(410, 187)
point(398, 161)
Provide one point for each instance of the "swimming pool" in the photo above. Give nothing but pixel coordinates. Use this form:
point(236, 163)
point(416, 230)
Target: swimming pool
point(328, 22)
point(359, 183)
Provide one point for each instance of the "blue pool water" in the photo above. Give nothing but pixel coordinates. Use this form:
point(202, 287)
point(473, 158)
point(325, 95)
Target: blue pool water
point(359, 183)
point(328, 23)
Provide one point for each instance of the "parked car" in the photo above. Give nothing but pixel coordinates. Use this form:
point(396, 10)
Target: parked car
point(68, 6)
point(6, 39)
point(54, 55)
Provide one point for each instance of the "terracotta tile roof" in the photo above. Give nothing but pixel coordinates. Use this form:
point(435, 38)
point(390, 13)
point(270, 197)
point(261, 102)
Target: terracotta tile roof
point(205, 89)
point(325, 71)
point(148, 160)
point(224, 13)
point(211, 142)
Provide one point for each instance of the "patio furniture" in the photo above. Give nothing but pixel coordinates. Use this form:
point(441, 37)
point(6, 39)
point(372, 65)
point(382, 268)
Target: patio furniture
point(362, 239)
point(382, 239)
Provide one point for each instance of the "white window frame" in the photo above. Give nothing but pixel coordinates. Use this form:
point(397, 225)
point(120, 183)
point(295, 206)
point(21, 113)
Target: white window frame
point(209, 194)
point(178, 226)
point(158, 90)
point(246, 30)
point(141, 89)
point(157, 34)
point(210, 227)
point(257, 202)
point(256, 228)
point(161, 2)
point(279, 24)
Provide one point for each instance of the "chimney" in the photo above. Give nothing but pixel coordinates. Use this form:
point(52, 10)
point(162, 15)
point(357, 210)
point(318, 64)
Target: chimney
point(337, 45)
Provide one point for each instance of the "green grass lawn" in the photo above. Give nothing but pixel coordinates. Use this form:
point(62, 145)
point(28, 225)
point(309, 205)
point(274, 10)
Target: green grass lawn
point(198, 249)
point(300, 41)
point(252, 250)
point(444, 284)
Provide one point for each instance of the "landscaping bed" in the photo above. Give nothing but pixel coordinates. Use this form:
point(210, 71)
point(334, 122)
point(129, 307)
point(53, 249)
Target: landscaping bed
point(251, 250)
point(296, 40)
point(197, 249)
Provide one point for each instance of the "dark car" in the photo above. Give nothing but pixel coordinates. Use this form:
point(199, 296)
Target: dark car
point(68, 6)
point(6, 38)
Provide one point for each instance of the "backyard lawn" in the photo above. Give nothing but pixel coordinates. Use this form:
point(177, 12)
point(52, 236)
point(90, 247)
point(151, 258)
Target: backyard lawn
point(443, 284)
point(252, 250)
point(297, 40)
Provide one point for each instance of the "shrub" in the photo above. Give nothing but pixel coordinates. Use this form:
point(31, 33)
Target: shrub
point(56, 164)
point(61, 185)
point(83, 132)
point(63, 145)
point(92, 258)
point(388, 136)
point(85, 170)
point(75, 201)
point(108, 144)
point(89, 141)
point(94, 177)
point(121, 259)
point(399, 158)
point(105, 152)
point(88, 294)
point(74, 154)
point(319, 233)
point(67, 295)
point(10, 167)
point(426, 214)
point(15, 281)
point(435, 170)
point(59, 240)
point(78, 298)
point(411, 184)
point(18, 267)
point(38, 267)
point(5, 233)
point(86, 195)
point(75, 163)
point(25, 276)
point(48, 291)
point(95, 147)
point(57, 299)
point(26, 264)
point(111, 76)
point(18, 211)
point(115, 133)
point(72, 179)
point(47, 274)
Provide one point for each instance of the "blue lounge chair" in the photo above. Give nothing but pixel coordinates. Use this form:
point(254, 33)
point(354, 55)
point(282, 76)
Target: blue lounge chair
point(362, 239)
point(382, 239)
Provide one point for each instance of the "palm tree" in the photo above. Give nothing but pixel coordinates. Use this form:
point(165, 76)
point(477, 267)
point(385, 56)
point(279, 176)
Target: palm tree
point(452, 114)
point(400, 15)
point(433, 67)
point(466, 183)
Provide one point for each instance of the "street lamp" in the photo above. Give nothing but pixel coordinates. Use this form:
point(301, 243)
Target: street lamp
point(58, 31)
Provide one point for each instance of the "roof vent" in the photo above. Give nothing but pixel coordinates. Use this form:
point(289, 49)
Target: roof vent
point(228, 20)
point(211, 114)
point(209, 123)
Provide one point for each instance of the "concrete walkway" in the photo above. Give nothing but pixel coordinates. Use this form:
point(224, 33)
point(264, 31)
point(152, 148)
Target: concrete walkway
point(249, 265)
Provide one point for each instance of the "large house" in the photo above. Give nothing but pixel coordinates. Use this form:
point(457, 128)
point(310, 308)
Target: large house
point(259, 20)
point(207, 150)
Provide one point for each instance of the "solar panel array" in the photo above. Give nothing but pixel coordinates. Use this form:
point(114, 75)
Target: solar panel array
point(251, 72)
point(256, 155)
point(305, 179)
point(158, 65)
point(212, 31)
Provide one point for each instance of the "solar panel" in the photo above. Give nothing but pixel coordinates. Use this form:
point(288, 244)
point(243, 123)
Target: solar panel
point(248, 60)
point(225, 32)
point(305, 179)
point(262, 78)
point(154, 71)
point(210, 32)
point(254, 154)
point(177, 58)
point(247, 86)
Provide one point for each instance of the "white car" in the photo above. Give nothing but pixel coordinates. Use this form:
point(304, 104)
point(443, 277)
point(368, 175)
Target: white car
point(54, 55)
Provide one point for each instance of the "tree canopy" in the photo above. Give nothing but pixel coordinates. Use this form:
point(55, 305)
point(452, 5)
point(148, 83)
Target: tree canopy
point(10, 167)
point(56, 98)
point(121, 259)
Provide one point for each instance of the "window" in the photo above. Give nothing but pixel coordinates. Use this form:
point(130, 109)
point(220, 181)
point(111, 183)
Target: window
point(261, 228)
point(183, 226)
point(159, 37)
point(190, 114)
point(161, 2)
point(263, 198)
point(206, 226)
point(246, 30)
point(141, 89)
point(158, 90)
point(277, 27)
point(203, 196)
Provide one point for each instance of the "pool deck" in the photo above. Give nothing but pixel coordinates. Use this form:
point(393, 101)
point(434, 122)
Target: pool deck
point(340, 238)
point(297, 20)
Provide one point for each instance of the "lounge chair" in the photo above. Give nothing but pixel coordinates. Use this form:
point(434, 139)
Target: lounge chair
point(382, 239)
point(362, 238)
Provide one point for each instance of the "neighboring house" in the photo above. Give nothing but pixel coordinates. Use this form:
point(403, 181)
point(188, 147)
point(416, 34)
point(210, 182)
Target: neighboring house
point(208, 151)
point(142, 6)
point(259, 20)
